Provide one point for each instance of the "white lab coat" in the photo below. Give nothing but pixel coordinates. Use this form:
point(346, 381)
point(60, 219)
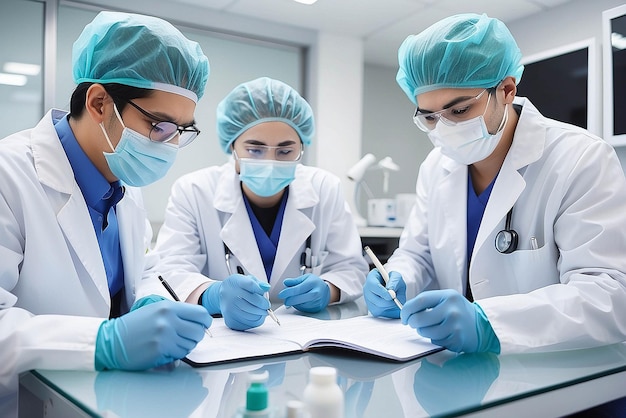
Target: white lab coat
point(568, 190)
point(206, 209)
point(53, 286)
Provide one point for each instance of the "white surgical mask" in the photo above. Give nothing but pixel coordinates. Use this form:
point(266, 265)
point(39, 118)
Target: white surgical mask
point(467, 142)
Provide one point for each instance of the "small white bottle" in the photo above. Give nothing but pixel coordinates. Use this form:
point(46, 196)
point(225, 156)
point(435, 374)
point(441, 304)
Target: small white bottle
point(322, 396)
point(295, 409)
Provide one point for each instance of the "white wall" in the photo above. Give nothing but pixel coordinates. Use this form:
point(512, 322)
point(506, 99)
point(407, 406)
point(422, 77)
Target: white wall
point(388, 130)
point(336, 80)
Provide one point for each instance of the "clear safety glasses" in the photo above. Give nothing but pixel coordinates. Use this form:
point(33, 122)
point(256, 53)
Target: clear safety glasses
point(457, 113)
point(166, 131)
point(267, 152)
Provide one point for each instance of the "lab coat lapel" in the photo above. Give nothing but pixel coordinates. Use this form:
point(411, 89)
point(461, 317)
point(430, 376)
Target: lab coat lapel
point(237, 231)
point(297, 226)
point(77, 227)
point(55, 172)
point(507, 188)
point(454, 215)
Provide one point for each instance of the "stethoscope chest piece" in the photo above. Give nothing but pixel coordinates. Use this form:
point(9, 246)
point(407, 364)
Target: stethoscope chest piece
point(506, 239)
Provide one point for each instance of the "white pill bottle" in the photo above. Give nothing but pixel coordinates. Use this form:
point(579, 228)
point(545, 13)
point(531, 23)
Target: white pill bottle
point(322, 396)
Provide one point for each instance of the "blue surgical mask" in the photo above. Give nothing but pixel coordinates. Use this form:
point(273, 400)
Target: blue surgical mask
point(136, 160)
point(266, 177)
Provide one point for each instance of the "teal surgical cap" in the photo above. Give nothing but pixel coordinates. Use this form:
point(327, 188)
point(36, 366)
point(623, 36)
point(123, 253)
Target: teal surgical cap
point(462, 51)
point(262, 100)
point(139, 51)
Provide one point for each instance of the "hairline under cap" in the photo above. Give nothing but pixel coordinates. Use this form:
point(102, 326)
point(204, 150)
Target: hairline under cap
point(144, 84)
point(289, 122)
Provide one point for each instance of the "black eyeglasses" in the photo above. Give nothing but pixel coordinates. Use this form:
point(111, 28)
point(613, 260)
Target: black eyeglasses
point(165, 131)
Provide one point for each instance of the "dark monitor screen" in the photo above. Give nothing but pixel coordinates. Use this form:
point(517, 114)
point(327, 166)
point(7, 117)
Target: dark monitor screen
point(557, 86)
point(618, 30)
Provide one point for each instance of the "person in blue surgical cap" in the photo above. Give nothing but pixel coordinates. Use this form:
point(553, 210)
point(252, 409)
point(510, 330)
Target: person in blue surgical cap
point(516, 242)
point(263, 222)
point(74, 231)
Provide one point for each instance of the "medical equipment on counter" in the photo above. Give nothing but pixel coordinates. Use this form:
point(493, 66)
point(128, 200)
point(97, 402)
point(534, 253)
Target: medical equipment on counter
point(356, 174)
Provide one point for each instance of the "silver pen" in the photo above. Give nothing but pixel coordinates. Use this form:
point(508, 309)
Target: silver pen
point(270, 312)
point(383, 273)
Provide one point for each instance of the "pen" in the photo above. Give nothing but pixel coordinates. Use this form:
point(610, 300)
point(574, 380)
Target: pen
point(302, 263)
point(169, 289)
point(383, 273)
point(271, 313)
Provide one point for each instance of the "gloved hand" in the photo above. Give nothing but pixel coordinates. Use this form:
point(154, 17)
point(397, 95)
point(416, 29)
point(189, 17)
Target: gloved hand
point(239, 299)
point(451, 321)
point(150, 336)
point(307, 293)
point(146, 300)
point(378, 299)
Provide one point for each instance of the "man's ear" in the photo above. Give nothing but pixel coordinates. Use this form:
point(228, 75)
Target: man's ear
point(510, 89)
point(96, 98)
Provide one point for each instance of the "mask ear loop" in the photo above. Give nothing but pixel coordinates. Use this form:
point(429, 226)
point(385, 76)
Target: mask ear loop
point(101, 124)
point(106, 136)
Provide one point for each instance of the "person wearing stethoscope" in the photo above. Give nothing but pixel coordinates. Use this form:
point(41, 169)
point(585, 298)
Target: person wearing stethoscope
point(516, 242)
point(263, 223)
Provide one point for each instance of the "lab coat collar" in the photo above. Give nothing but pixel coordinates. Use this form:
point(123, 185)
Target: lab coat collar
point(55, 172)
point(530, 148)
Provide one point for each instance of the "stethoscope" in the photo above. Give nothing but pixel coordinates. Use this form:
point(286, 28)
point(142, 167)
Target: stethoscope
point(305, 258)
point(506, 239)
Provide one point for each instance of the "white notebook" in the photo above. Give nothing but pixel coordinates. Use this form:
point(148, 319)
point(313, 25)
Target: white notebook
point(381, 337)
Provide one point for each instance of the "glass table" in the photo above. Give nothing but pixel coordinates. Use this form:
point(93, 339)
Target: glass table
point(440, 384)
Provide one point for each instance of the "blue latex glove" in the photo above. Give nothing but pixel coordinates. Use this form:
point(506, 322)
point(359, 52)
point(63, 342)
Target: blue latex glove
point(307, 293)
point(147, 300)
point(240, 299)
point(378, 299)
point(451, 321)
point(150, 336)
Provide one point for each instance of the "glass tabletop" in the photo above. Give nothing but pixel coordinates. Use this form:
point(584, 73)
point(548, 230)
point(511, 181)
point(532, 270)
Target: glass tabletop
point(440, 384)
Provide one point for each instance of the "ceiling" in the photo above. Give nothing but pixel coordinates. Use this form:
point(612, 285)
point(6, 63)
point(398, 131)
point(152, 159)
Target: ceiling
point(382, 24)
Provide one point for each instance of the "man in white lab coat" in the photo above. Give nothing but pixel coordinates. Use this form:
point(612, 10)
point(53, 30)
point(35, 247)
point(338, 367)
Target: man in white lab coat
point(74, 232)
point(522, 214)
point(262, 222)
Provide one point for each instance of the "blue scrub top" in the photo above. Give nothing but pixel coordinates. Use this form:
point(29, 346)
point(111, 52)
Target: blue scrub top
point(267, 244)
point(476, 205)
point(101, 198)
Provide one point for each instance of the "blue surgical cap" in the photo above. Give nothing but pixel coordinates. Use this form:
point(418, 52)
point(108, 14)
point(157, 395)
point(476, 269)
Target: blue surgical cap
point(139, 51)
point(461, 51)
point(262, 100)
